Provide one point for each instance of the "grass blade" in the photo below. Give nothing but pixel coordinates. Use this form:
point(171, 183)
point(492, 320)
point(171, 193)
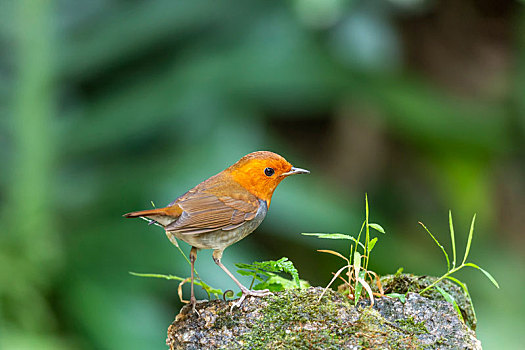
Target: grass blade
point(439, 245)
point(359, 237)
point(157, 275)
point(377, 227)
point(357, 263)
point(461, 284)
point(329, 235)
point(335, 236)
point(371, 245)
point(451, 300)
point(452, 238)
point(357, 272)
point(359, 286)
point(489, 276)
point(366, 207)
point(367, 288)
point(208, 289)
point(401, 297)
point(469, 241)
point(367, 239)
point(367, 228)
point(465, 289)
point(332, 281)
point(334, 253)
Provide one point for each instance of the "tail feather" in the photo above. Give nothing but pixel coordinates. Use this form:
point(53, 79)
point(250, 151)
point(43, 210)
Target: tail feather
point(136, 214)
point(173, 211)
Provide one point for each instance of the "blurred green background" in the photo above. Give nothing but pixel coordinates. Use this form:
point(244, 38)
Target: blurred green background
point(107, 105)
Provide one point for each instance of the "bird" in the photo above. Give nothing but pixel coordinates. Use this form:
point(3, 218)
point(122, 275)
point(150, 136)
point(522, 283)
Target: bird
point(223, 209)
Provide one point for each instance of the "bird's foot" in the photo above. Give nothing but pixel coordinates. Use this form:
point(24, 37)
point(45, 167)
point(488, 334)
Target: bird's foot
point(193, 303)
point(254, 293)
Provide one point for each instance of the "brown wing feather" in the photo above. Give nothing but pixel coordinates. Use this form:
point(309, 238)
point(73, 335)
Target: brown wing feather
point(208, 210)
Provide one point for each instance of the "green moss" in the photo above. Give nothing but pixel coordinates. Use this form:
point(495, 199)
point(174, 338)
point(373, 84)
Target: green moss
point(224, 319)
point(371, 320)
point(296, 318)
point(376, 332)
point(410, 325)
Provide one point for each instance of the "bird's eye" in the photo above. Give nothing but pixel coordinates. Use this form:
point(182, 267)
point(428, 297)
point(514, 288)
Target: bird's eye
point(269, 172)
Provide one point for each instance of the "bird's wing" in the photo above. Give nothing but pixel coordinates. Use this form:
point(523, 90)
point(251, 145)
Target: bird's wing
point(206, 211)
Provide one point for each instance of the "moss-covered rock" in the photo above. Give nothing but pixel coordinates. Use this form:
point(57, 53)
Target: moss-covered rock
point(404, 283)
point(296, 319)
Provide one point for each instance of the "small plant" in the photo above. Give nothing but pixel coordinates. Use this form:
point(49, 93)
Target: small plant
point(357, 261)
point(451, 269)
point(266, 273)
point(217, 293)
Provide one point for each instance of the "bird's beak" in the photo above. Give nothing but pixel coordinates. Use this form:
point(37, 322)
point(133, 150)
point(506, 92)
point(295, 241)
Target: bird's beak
point(295, 170)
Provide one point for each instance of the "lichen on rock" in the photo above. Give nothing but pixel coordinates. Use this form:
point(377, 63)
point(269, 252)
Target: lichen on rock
point(404, 283)
point(294, 319)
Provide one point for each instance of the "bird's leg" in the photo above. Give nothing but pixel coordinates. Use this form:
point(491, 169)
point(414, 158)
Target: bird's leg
point(217, 255)
point(193, 257)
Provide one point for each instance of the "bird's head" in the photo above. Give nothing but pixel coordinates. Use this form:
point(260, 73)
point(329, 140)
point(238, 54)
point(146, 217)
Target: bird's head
point(261, 172)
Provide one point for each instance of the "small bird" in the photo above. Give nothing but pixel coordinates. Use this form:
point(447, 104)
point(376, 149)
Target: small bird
point(223, 209)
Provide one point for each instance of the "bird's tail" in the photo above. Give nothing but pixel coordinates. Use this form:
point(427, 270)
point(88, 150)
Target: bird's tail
point(136, 214)
point(173, 211)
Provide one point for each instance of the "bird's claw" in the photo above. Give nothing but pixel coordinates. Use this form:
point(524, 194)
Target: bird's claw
point(193, 304)
point(194, 310)
point(253, 293)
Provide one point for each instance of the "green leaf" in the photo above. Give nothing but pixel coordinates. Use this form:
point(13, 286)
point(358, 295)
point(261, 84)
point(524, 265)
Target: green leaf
point(377, 227)
point(277, 283)
point(371, 245)
point(458, 282)
point(469, 241)
point(334, 236)
point(366, 286)
point(465, 289)
point(357, 263)
point(330, 235)
point(359, 286)
point(267, 268)
point(366, 207)
point(401, 297)
point(439, 245)
point(489, 276)
point(244, 266)
point(199, 283)
point(451, 300)
point(157, 275)
point(357, 272)
point(257, 275)
point(452, 238)
point(367, 228)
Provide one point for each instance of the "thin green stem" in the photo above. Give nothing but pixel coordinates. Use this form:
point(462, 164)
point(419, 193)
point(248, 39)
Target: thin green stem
point(359, 237)
point(450, 272)
point(367, 238)
point(452, 238)
point(254, 277)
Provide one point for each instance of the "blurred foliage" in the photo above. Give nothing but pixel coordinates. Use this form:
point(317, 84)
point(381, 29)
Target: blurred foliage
point(109, 104)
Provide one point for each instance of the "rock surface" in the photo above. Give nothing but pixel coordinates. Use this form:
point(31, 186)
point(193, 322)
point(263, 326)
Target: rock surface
point(404, 283)
point(294, 319)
